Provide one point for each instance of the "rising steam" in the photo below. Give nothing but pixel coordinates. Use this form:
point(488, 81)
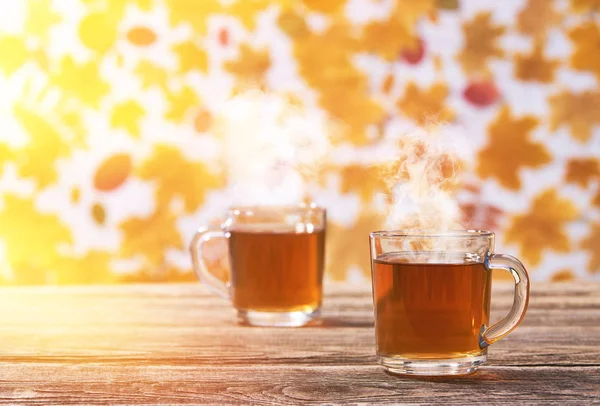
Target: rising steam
point(423, 179)
point(272, 147)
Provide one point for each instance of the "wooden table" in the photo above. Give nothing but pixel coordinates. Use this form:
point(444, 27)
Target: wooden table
point(179, 344)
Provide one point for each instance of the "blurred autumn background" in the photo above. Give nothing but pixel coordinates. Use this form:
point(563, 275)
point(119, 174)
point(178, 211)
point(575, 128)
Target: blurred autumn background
point(108, 163)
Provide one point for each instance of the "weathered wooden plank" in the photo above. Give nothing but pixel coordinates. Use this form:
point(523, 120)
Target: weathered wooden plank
point(184, 322)
point(179, 344)
point(299, 384)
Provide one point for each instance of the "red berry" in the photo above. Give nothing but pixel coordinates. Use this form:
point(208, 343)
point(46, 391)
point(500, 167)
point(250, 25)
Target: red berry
point(224, 37)
point(481, 94)
point(414, 55)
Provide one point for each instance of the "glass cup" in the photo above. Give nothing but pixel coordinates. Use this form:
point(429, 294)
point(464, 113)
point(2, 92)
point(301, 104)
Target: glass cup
point(276, 258)
point(431, 296)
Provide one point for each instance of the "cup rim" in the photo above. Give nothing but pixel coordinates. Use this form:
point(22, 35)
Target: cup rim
point(248, 210)
point(469, 233)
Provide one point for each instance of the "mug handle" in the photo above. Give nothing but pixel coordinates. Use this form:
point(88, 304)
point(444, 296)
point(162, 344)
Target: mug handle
point(490, 335)
point(215, 284)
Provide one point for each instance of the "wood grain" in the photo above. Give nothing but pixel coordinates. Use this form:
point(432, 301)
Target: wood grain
point(140, 344)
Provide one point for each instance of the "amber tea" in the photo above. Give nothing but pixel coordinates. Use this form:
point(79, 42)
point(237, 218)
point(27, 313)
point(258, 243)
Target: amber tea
point(276, 260)
point(276, 271)
point(430, 310)
point(431, 296)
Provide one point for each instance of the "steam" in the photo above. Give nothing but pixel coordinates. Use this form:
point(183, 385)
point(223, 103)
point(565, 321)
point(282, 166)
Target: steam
point(423, 179)
point(273, 147)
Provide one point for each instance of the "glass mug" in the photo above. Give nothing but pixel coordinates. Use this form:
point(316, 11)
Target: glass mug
point(431, 296)
point(276, 258)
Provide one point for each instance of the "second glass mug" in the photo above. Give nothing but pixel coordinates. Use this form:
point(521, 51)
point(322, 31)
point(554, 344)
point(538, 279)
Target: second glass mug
point(431, 296)
point(276, 258)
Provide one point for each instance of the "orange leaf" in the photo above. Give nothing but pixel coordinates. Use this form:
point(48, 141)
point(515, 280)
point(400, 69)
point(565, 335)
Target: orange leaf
point(425, 105)
point(141, 36)
point(250, 66)
point(367, 181)
point(582, 171)
point(585, 6)
point(342, 89)
point(542, 228)
point(113, 172)
point(564, 275)
point(592, 244)
point(348, 247)
point(578, 111)
point(328, 6)
point(509, 149)
point(585, 38)
point(537, 17)
point(534, 66)
point(481, 38)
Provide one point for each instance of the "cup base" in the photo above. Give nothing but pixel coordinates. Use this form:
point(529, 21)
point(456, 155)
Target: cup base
point(277, 319)
point(432, 367)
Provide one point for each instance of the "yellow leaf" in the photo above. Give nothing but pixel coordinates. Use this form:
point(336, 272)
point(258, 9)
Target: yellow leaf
point(191, 57)
point(578, 111)
point(5, 156)
point(127, 115)
point(98, 31)
point(542, 228)
point(40, 18)
point(151, 237)
point(92, 267)
point(582, 171)
point(509, 149)
point(31, 238)
point(194, 12)
point(348, 247)
point(247, 11)
point(481, 38)
point(388, 38)
point(13, 54)
point(250, 66)
point(176, 177)
point(38, 158)
point(535, 67)
point(537, 17)
point(585, 38)
point(425, 106)
point(151, 75)
point(180, 103)
point(592, 244)
point(81, 81)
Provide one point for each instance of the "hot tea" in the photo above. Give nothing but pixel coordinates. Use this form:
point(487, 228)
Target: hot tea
point(276, 270)
point(430, 310)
